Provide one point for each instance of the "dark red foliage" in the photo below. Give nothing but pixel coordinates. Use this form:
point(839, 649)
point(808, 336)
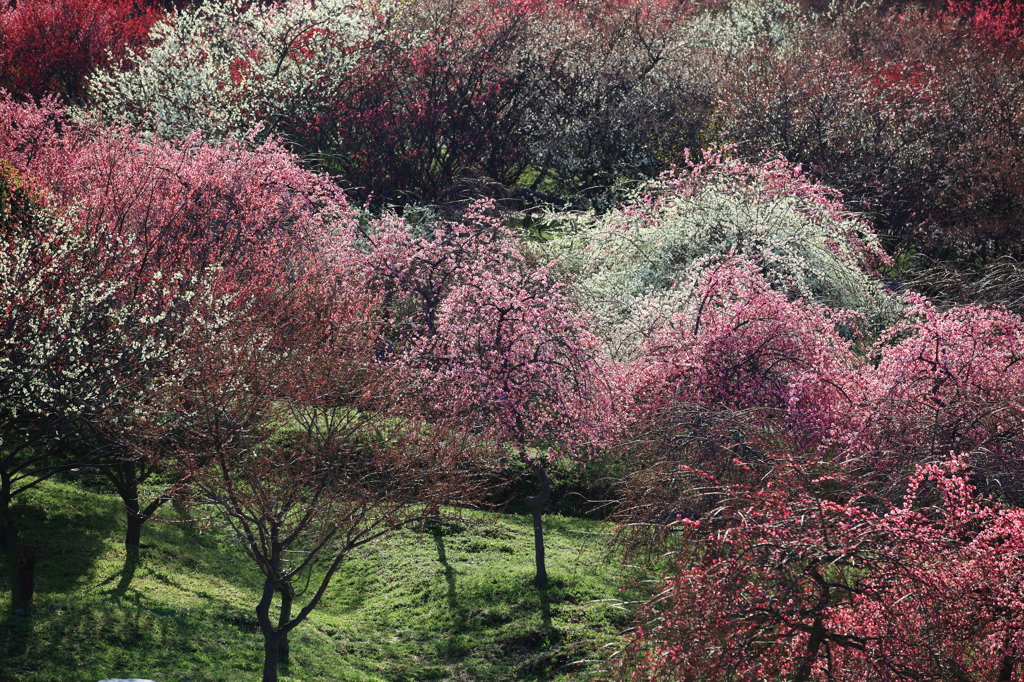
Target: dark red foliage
point(50, 46)
point(437, 97)
point(909, 114)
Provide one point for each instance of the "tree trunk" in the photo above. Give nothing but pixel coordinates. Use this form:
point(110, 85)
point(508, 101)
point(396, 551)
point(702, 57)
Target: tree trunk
point(536, 504)
point(21, 561)
point(817, 634)
point(1006, 669)
point(287, 591)
point(271, 652)
point(126, 477)
point(26, 579)
point(133, 536)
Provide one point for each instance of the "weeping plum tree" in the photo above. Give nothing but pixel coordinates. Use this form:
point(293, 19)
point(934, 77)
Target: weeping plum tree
point(869, 553)
point(741, 372)
point(941, 381)
point(493, 340)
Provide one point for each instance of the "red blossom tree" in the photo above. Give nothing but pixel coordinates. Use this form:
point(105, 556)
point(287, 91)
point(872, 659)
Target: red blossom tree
point(50, 46)
point(789, 582)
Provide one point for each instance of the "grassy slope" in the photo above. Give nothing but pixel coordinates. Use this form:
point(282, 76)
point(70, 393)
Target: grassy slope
point(454, 604)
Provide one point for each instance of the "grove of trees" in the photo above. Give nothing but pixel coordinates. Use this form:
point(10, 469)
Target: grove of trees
point(328, 270)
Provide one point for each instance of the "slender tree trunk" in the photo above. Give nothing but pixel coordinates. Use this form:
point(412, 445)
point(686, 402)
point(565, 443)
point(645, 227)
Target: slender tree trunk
point(271, 638)
point(126, 477)
point(287, 591)
point(536, 505)
point(817, 634)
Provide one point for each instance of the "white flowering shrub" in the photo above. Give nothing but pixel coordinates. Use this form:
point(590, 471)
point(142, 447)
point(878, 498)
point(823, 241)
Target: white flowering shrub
point(635, 267)
point(225, 66)
point(744, 24)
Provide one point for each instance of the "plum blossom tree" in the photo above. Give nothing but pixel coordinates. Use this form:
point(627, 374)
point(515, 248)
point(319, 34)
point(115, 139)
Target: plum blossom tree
point(114, 247)
point(286, 425)
point(84, 320)
point(792, 581)
point(493, 340)
point(638, 264)
point(741, 373)
point(49, 47)
point(223, 67)
point(942, 381)
point(741, 345)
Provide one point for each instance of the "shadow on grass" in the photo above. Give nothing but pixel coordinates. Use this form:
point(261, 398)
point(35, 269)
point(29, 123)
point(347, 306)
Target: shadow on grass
point(131, 564)
point(458, 612)
point(100, 638)
point(68, 542)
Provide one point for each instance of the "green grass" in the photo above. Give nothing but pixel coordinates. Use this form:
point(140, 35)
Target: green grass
point(454, 603)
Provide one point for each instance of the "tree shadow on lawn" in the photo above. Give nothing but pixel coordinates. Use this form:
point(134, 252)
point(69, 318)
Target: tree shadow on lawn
point(68, 542)
point(98, 638)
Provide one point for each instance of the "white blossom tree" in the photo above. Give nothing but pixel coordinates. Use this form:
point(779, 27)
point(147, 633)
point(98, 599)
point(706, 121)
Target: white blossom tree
point(224, 66)
point(635, 267)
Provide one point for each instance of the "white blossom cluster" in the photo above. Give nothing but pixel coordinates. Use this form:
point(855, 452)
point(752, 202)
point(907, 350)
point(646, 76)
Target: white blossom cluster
point(74, 336)
point(745, 24)
point(635, 268)
point(225, 66)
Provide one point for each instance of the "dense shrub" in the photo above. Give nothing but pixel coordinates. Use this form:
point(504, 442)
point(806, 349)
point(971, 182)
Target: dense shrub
point(50, 46)
point(908, 114)
point(225, 66)
point(637, 265)
point(941, 382)
point(794, 584)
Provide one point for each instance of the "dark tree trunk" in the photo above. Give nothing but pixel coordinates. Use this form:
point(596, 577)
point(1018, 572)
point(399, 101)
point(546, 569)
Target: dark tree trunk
point(271, 638)
point(1006, 669)
point(133, 536)
point(287, 592)
point(126, 477)
point(26, 579)
point(817, 634)
point(21, 561)
point(536, 505)
point(271, 655)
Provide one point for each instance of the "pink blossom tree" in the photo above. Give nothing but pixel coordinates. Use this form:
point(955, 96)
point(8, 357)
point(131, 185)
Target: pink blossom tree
point(288, 428)
point(124, 246)
point(941, 381)
point(495, 342)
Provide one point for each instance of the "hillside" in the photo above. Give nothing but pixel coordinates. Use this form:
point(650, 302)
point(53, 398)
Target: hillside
point(452, 603)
